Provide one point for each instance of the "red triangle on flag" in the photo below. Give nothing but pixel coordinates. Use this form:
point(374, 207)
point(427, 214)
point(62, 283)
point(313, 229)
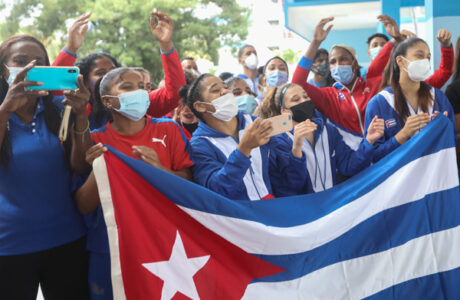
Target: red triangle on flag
point(147, 225)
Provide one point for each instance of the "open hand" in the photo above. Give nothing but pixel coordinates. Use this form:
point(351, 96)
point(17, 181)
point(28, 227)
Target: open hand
point(77, 33)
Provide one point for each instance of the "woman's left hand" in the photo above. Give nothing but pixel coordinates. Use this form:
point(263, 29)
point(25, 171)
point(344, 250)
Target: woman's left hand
point(375, 130)
point(78, 99)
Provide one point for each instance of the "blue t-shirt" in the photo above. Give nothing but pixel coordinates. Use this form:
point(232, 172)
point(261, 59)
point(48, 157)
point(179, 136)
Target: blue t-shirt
point(36, 207)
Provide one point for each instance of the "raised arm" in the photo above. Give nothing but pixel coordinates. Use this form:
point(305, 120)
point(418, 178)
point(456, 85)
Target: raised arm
point(76, 36)
point(318, 95)
point(443, 73)
point(378, 64)
point(167, 98)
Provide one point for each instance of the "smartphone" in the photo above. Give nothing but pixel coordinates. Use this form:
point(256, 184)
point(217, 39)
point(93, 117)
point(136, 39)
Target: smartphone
point(281, 124)
point(54, 78)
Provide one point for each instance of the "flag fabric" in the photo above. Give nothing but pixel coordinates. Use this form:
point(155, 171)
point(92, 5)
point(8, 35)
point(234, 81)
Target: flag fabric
point(390, 232)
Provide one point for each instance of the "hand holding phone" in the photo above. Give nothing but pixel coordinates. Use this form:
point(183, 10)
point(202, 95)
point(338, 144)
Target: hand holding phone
point(280, 124)
point(54, 78)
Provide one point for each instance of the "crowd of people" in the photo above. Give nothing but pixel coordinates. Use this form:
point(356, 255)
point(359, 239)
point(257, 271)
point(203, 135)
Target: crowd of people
point(212, 130)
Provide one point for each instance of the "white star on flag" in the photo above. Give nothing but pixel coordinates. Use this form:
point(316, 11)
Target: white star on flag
point(177, 273)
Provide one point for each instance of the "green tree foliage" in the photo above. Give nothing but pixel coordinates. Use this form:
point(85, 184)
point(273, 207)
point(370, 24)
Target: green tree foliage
point(290, 56)
point(121, 27)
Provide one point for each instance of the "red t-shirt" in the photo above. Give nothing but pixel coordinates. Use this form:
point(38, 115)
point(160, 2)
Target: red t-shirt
point(162, 135)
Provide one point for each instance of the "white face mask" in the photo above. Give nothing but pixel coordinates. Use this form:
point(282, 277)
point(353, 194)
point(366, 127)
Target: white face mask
point(418, 70)
point(226, 107)
point(251, 61)
point(14, 71)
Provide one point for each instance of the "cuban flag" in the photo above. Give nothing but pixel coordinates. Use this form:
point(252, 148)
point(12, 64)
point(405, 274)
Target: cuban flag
point(391, 232)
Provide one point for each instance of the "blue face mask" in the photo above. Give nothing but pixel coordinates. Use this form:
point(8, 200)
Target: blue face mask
point(246, 103)
point(375, 51)
point(133, 105)
point(342, 74)
point(276, 78)
point(14, 71)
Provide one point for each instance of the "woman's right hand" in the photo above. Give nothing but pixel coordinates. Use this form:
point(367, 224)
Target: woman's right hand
point(304, 130)
point(17, 95)
point(256, 135)
point(94, 152)
point(412, 126)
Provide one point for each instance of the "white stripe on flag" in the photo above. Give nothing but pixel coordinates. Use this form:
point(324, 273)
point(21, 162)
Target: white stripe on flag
point(408, 184)
point(364, 276)
point(103, 186)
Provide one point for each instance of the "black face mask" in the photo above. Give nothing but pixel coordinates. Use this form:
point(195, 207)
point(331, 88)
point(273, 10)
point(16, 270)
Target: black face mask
point(303, 111)
point(191, 127)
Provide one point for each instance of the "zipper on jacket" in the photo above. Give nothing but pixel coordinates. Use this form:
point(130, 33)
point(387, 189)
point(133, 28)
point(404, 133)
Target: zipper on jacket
point(253, 182)
point(356, 105)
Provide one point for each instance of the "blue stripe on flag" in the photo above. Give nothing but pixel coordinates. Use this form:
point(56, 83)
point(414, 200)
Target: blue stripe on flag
point(297, 210)
point(428, 288)
point(388, 229)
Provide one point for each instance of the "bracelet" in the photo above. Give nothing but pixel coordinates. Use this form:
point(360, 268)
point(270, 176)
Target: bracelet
point(81, 132)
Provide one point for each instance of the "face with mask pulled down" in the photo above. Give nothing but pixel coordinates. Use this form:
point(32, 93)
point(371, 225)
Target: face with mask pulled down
point(217, 101)
point(297, 102)
point(415, 65)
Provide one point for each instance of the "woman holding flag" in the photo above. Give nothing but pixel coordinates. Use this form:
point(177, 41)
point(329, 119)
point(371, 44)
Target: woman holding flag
point(319, 142)
point(231, 149)
point(158, 142)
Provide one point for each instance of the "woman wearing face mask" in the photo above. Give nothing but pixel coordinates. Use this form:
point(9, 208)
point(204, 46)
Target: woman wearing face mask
point(95, 66)
point(243, 95)
point(440, 75)
point(320, 143)
point(247, 58)
point(345, 102)
point(42, 235)
point(276, 72)
point(158, 142)
point(410, 103)
point(231, 149)
point(321, 73)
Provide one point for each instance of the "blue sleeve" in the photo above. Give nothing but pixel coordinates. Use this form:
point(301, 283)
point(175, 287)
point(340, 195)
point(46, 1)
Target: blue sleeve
point(288, 174)
point(385, 144)
point(348, 161)
point(305, 63)
point(226, 178)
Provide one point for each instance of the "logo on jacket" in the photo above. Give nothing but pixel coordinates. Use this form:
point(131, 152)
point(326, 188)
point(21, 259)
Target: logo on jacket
point(340, 95)
point(390, 123)
point(366, 90)
point(155, 140)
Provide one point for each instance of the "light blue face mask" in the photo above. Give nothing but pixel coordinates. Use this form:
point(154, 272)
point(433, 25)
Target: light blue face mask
point(276, 78)
point(133, 105)
point(14, 71)
point(342, 74)
point(246, 103)
point(375, 51)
